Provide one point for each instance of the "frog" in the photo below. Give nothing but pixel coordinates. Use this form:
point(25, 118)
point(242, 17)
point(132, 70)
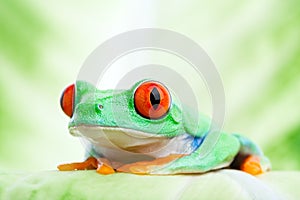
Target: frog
point(146, 130)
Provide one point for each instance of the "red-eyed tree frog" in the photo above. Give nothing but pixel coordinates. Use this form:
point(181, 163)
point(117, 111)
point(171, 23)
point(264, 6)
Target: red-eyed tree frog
point(143, 130)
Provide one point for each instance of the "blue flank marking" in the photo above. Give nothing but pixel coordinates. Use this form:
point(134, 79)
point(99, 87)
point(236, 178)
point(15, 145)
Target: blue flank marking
point(196, 143)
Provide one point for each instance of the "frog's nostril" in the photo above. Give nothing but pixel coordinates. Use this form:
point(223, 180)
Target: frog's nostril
point(100, 106)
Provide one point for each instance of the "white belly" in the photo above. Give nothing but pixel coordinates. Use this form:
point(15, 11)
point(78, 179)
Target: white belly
point(127, 145)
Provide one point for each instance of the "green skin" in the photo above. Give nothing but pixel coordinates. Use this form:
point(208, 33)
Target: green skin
point(117, 111)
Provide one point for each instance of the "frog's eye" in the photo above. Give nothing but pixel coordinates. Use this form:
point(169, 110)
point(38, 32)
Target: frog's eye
point(152, 100)
point(67, 100)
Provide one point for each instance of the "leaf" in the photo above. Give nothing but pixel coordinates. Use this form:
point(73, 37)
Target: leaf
point(223, 184)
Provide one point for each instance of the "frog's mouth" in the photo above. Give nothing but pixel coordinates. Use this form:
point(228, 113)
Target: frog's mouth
point(122, 138)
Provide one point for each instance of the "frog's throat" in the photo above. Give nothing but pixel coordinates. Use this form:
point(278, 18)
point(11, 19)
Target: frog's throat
point(133, 141)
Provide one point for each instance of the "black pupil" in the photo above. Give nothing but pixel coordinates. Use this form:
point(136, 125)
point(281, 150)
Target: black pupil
point(155, 98)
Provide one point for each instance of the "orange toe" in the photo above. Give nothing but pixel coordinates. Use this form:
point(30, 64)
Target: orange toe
point(104, 166)
point(252, 165)
point(105, 169)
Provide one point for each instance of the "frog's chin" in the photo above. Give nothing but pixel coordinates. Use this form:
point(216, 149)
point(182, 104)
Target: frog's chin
point(123, 138)
point(116, 141)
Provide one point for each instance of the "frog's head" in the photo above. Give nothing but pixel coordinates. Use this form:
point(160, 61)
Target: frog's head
point(146, 110)
point(147, 107)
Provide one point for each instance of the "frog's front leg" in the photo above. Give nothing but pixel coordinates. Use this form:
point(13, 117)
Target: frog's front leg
point(147, 167)
point(220, 156)
point(102, 165)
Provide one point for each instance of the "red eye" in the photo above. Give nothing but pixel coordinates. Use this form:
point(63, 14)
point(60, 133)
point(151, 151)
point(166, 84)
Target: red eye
point(67, 100)
point(152, 100)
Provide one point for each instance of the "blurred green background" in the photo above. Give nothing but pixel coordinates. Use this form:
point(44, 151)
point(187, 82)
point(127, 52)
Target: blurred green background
point(254, 44)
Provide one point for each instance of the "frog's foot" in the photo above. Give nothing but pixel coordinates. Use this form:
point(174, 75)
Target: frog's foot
point(102, 165)
point(146, 167)
point(252, 165)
